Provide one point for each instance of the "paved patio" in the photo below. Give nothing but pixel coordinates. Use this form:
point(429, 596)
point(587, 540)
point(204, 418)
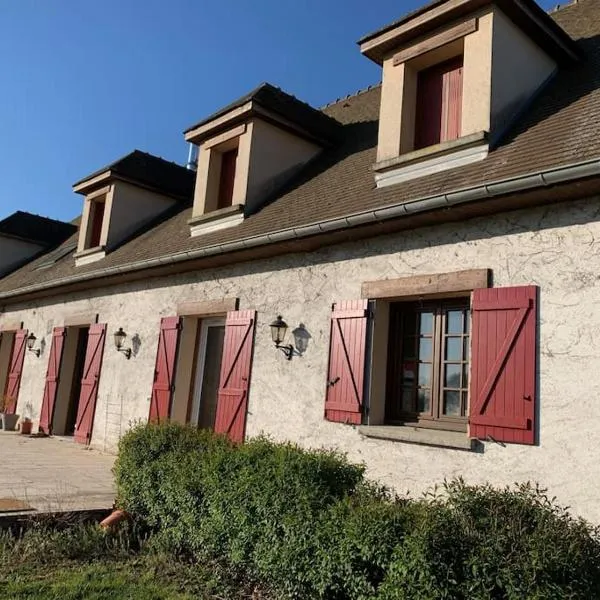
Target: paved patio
point(53, 474)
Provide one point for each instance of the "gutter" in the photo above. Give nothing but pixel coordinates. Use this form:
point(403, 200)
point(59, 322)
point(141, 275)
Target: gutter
point(540, 179)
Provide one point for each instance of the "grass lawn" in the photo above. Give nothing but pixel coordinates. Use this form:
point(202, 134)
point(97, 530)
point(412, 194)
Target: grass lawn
point(98, 581)
point(83, 563)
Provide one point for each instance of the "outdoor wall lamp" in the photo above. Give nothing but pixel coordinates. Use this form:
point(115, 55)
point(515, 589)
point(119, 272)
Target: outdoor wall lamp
point(120, 337)
point(301, 336)
point(31, 339)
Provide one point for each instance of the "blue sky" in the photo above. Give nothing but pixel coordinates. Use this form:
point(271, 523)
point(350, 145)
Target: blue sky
point(83, 83)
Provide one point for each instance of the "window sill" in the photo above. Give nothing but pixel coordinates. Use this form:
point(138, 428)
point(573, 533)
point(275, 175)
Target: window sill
point(434, 159)
point(89, 255)
point(217, 219)
point(455, 440)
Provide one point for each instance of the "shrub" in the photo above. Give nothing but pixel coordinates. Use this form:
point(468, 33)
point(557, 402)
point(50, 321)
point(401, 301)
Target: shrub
point(307, 525)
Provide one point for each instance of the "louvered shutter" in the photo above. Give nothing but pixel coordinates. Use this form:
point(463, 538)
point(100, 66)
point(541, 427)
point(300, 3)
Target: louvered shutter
point(89, 383)
point(236, 364)
point(346, 373)
point(164, 371)
point(503, 365)
point(52, 375)
point(15, 371)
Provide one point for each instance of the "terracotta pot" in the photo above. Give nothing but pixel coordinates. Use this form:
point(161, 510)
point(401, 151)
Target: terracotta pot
point(26, 426)
point(114, 519)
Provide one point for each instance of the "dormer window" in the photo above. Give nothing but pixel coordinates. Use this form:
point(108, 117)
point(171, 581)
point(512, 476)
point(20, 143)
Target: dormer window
point(125, 196)
point(248, 150)
point(456, 76)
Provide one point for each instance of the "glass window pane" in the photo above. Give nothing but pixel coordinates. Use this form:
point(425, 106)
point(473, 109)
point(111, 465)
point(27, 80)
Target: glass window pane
point(466, 349)
point(465, 380)
point(464, 404)
point(425, 349)
point(424, 401)
point(452, 404)
point(452, 379)
point(454, 321)
point(453, 348)
point(426, 323)
point(425, 375)
point(408, 400)
point(467, 321)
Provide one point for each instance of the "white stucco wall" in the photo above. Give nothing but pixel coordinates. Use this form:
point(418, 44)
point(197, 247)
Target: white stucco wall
point(556, 248)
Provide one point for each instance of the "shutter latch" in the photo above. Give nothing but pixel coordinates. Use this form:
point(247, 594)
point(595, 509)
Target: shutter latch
point(332, 382)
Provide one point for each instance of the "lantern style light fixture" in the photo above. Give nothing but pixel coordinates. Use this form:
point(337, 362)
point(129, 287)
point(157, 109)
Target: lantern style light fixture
point(31, 339)
point(301, 336)
point(120, 337)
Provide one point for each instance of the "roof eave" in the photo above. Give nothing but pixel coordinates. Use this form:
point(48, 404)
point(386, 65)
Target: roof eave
point(566, 175)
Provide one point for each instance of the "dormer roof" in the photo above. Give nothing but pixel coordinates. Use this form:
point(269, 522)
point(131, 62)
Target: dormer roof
point(526, 14)
point(144, 170)
point(267, 100)
point(36, 229)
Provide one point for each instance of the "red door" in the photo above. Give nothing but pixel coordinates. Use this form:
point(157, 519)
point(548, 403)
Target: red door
point(346, 374)
point(232, 403)
point(52, 374)
point(164, 371)
point(503, 367)
point(13, 384)
point(89, 383)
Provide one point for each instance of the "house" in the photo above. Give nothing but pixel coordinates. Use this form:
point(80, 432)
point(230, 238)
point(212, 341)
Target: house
point(431, 245)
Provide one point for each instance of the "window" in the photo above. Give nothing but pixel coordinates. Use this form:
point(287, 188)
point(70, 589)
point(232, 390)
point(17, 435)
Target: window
point(429, 364)
point(439, 103)
point(95, 223)
point(227, 178)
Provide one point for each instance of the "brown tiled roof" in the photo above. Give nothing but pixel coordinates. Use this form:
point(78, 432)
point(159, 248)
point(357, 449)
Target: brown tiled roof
point(152, 171)
point(560, 128)
point(34, 228)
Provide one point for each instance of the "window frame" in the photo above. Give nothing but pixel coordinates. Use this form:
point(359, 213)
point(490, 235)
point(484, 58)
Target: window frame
point(434, 418)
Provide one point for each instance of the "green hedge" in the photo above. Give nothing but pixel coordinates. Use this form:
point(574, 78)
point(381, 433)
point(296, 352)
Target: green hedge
point(306, 524)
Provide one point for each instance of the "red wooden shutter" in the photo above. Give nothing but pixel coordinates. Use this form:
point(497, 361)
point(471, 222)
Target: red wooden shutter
point(439, 104)
point(503, 364)
point(227, 179)
point(52, 374)
point(346, 375)
point(15, 371)
point(89, 383)
point(236, 365)
point(452, 102)
point(164, 371)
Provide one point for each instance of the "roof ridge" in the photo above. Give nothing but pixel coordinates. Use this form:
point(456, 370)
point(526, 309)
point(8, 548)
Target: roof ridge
point(560, 7)
point(353, 95)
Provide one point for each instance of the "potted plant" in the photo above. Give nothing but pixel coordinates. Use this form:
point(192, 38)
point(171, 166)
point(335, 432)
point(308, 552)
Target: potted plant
point(9, 421)
point(26, 422)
